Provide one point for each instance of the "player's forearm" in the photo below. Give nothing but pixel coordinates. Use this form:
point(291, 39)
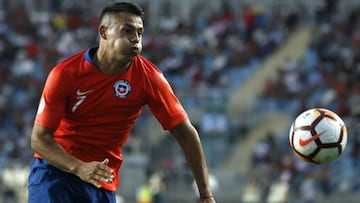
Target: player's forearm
point(43, 143)
point(193, 151)
point(196, 159)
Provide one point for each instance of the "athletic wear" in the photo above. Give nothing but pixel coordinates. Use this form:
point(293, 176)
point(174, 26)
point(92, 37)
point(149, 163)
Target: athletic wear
point(93, 113)
point(48, 184)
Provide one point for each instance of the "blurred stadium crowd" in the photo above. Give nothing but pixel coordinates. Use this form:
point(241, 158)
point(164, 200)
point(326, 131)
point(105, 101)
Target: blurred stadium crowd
point(205, 58)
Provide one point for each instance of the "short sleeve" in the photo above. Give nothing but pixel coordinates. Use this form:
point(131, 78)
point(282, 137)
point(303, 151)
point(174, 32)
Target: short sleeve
point(164, 104)
point(53, 100)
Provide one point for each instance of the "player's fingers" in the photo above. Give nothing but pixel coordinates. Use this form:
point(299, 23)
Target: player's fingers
point(104, 177)
point(104, 173)
point(103, 170)
point(100, 178)
point(104, 167)
point(107, 180)
point(95, 183)
point(105, 162)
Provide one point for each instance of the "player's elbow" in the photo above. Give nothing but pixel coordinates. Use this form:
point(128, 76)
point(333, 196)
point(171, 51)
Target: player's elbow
point(40, 138)
point(35, 142)
point(185, 133)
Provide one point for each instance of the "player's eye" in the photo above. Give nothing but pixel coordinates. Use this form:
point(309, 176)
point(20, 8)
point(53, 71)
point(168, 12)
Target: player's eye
point(140, 33)
point(127, 30)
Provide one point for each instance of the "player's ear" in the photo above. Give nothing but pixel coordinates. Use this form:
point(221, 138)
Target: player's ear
point(102, 31)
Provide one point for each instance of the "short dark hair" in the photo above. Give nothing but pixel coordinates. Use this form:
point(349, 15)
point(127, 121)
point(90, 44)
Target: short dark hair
point(116, 7)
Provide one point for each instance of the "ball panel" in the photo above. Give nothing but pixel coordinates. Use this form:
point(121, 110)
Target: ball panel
point(291, 136)
point(333, 116)
point(301, 135)
point(306, 118)
point(318, 135)
point(331, 127)
point(343, 136)
point(326, 155)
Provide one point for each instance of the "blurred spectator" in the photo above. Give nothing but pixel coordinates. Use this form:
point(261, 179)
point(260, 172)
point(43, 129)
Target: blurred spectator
point(325, 181)
point(158, 186)
point(279, 190)
point(144, 193)
point(14, 178)
point(308, 189)
point(252, 191)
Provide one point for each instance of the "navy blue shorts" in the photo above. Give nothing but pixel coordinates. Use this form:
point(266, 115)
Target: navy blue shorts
point(47, 184)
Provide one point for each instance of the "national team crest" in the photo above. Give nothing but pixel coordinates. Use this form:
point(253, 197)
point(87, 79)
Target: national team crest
point(122, 88)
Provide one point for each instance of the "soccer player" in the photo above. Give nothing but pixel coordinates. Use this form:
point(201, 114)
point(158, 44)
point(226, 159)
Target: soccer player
point(88, 106)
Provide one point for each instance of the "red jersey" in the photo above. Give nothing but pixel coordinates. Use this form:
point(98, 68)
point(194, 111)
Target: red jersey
point(93, 113)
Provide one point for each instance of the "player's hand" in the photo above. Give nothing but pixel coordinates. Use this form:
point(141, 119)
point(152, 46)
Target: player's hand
point(207, 200)
point(95, 172)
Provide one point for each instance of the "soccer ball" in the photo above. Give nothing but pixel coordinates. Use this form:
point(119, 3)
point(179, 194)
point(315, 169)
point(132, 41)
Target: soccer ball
point(318, 136)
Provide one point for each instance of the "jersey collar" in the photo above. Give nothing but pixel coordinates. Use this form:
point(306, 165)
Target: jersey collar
point(89, 55)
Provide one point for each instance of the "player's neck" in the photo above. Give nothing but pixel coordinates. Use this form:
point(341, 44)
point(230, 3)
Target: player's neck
point(110, 66)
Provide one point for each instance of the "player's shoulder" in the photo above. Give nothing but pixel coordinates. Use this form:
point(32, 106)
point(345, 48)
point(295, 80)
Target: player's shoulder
point(69, 64)
point(151, 73)
point(146, 64)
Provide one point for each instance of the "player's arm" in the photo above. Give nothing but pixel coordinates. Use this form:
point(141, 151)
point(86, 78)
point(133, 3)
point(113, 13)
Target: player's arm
point(43, 143)
point(188, 138)
point(50, 112)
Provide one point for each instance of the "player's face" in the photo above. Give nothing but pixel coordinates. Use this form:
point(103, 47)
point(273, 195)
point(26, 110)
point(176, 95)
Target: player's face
point(124, 34)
